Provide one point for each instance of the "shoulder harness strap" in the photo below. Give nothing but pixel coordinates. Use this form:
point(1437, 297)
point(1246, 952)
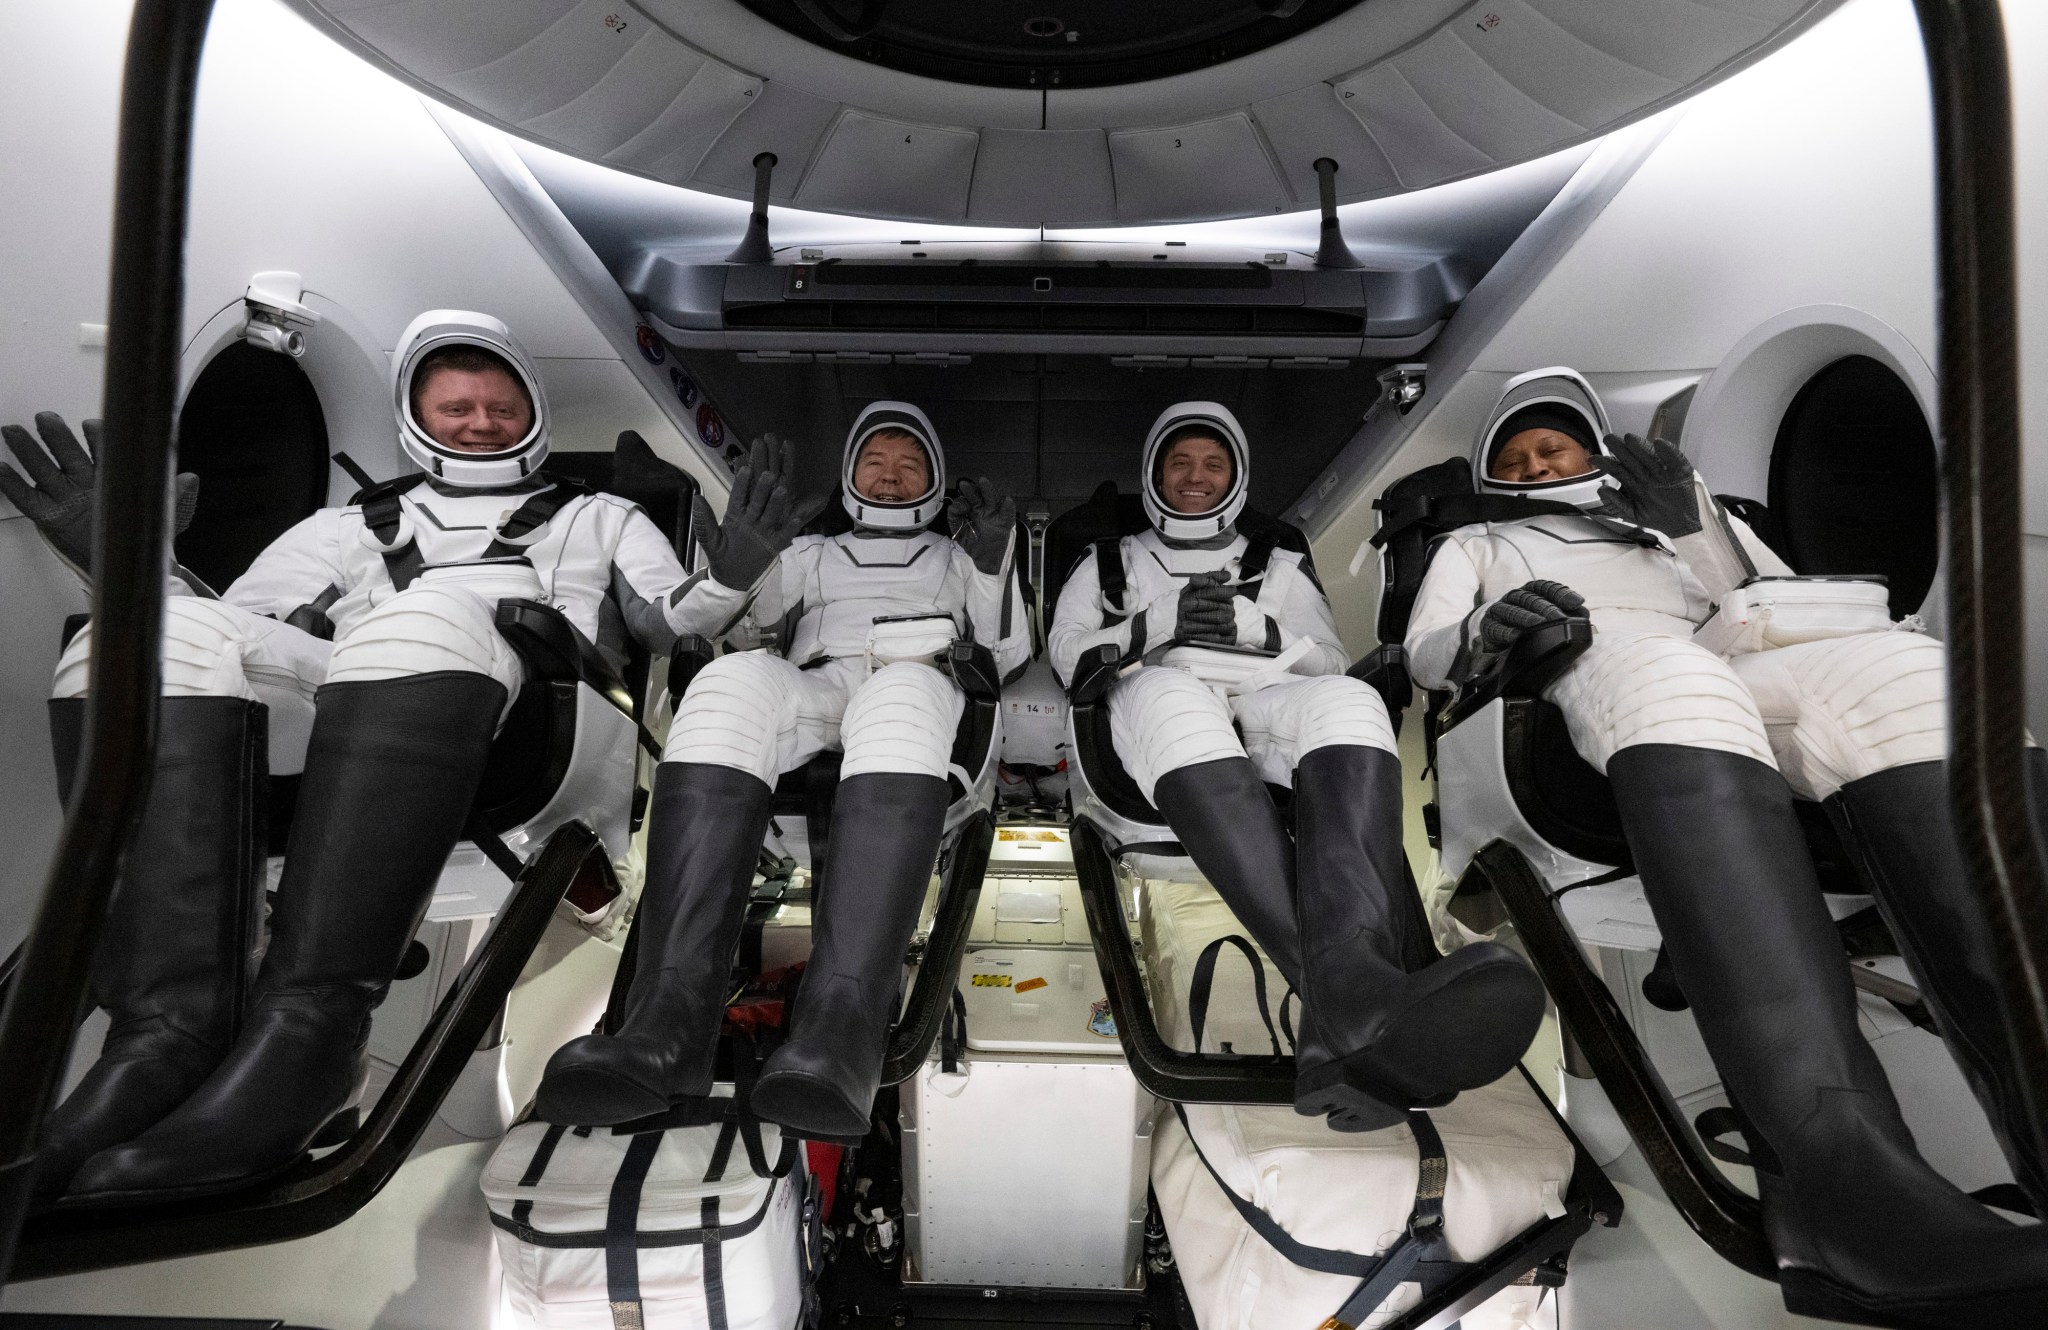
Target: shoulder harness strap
point(382, 513)
point(515, 532)
point(1111, 579)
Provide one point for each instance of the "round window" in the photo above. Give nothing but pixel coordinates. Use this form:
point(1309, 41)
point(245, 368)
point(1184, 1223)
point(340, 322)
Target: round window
point(252, 430)
point(1855, 480)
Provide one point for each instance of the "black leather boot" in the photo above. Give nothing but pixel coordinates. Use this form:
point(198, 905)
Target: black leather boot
point(1398, 1016)
point(1375, 1035)
point(703, 841)
point(177, 952)
point(1897, 825)
point(1863, 1229)
point(391, 770)
point(822, 1082)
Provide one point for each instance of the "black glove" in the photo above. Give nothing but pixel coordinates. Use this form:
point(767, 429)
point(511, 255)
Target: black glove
point(1206, 612)
point(1656, 484)
point(982, 523)
point(761, 518)
point(57, 496)
point(1526, 608)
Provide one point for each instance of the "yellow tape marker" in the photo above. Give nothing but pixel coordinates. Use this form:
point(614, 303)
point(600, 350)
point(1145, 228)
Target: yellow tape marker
point(992, 981)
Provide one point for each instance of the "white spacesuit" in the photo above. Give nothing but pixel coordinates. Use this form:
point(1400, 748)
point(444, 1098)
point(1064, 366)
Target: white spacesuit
point(862, 619)
point(1375, 1023)
point(390, 722)
point(1705, 752)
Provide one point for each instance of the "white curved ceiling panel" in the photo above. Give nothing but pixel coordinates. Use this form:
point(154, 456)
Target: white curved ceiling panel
point(778, 119)
point(1310, 123)
point(868, 165)
point(1402, 93)
point(1188, 172)
point(675, 141)
point(1013, 165)
point(1677, 39)
point(444, 37)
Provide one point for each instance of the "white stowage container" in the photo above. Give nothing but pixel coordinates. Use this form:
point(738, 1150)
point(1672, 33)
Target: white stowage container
point(1509, 1163)
point(1026, 1166)
point(707, 1228)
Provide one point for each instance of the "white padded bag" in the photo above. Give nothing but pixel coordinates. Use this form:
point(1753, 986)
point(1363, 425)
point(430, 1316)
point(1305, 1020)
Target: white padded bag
point(707, 1242)
point(1509, 1163)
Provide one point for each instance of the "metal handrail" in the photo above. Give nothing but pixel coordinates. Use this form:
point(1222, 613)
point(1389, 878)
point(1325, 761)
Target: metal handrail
point(130, 553)
point(931, 993)
point(315, 1195)
point(1972, 94)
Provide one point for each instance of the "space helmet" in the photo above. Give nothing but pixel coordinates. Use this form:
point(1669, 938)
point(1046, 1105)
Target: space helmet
point(877, 515)
point(1212, 416)
point(433, 331)
point(1556, 398)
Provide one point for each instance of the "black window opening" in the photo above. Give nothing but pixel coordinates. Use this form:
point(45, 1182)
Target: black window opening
point(1856, 481)
point(253, 432)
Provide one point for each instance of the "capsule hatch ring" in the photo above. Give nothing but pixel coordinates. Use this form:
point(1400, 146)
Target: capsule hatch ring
point(1822, 414)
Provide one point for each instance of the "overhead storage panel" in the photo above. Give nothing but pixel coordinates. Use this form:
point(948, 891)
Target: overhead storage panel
point(1478, 103)
point(556, 67)
point(1680, 40)
point(670, 147)
point(1211, 168)
point(432, 39)
point(1580, 82)
point(1027, 177)
point(1310, 123)
point(1420, 146)
point(780, 120)
point(625, 101)
point(887, 168)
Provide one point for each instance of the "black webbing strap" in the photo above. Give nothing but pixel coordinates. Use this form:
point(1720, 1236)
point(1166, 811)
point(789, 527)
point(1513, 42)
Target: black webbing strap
point(354, 471)
point(1420, 1245)
point(383, 510)
point(622, 1231)
point(721, 1151)
point(1110, 579)
point(747, 1057)
point(1205, 977)
point(953, 1034)
point(536, 1167)
point(1448, 512)
point(1258, 552)
point(535, 513)
point(714, 1263)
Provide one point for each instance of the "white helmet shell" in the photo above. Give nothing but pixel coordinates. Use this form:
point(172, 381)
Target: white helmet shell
point(1562, 390)
point(1195, 526)
point(439, 328)
point(879, 515)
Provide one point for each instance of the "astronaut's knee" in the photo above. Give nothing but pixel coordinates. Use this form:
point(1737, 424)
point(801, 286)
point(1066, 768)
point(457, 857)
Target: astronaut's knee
point(1161, 720)
point(425, 630)
point(901, 719)
point(731, 714)
point(1336, 710)
point(204, 642)
point(1658, 690)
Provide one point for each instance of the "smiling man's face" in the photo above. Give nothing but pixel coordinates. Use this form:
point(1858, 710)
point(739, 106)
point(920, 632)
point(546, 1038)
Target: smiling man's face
point(891, 468)
point(1195, 474)
point(473, 411)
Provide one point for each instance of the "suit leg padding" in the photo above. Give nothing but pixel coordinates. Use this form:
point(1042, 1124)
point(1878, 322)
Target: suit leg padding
point(1848, 707)
point(1162, 720)
point(752, 712)
point(1640, 688)
point(1284, 722)
point(426, 630)
point(901, 720)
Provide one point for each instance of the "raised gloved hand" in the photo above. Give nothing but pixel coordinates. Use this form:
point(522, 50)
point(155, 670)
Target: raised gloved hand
point(57, 495)
point(1203, 611)
point(982, 523)
point(761, 517)
point(1656, 484)
point(1525, 609)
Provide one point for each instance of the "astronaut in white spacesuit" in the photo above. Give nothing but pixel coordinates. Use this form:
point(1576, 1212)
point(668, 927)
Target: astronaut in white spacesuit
point(1382, 1030)
point(1706, 753)
point(359, 650)
point(864, 617)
